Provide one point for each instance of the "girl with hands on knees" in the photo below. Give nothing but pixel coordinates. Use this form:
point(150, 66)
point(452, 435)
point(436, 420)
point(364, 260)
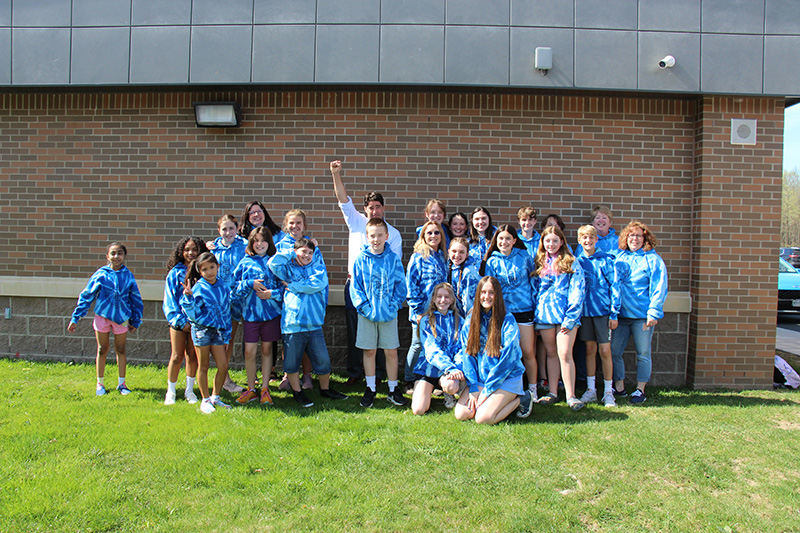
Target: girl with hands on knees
point(439, 362)
point(491, 360)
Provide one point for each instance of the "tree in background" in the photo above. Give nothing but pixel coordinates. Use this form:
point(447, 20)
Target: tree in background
point(790, 208)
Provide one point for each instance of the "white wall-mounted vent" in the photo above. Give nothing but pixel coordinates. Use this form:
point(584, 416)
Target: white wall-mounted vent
point(743, 131)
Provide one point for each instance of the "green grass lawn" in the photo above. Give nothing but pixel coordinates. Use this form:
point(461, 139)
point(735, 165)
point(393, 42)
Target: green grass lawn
point(683, 461)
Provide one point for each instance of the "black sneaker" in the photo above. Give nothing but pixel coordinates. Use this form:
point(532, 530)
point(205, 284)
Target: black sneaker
point(368, 399)
point(638, 396)
point(332, 394)
point(396, 397)
point(525, 405)
point(620, 394)
point(301, 398)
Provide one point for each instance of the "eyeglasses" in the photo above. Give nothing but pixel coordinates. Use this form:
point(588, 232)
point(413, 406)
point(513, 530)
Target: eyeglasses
point(435, 232)
point(256, 211)
point(635, 236)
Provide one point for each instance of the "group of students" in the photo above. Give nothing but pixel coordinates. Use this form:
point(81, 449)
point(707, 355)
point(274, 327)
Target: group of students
point(480, 299)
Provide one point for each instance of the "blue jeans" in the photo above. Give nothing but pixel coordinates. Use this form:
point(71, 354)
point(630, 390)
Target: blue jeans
point(413, 353)
point(641, 341)
point(310, 342)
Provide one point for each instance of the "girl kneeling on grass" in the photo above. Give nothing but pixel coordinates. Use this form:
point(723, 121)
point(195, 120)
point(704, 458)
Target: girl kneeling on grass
point(262, 294)
point(118, 308)
point(180, 337)
point(439, 363)
point(207, 303)
point(491, 360)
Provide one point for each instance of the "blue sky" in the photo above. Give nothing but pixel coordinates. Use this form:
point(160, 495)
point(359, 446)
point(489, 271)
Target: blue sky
point(791, 138)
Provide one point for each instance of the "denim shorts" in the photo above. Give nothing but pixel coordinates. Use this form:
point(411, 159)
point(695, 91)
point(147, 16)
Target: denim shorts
point(206, 336)
point(310, 342)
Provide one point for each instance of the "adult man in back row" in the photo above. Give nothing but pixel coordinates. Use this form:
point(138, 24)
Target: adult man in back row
point(357, 225)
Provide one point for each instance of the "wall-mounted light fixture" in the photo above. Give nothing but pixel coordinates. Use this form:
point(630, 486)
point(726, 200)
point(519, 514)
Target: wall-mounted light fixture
point(667, 62)
point(217, 114)
point(543, 59)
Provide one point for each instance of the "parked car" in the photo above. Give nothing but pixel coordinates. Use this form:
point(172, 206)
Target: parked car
point(792, 255)
point(788, 288)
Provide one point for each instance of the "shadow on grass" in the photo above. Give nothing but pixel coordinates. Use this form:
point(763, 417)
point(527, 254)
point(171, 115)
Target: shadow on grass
point(657, 397)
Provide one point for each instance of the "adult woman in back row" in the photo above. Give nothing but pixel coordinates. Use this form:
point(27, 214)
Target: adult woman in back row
point(643, 289)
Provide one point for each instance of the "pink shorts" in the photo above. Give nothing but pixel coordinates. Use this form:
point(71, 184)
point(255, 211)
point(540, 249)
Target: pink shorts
point(104, 325)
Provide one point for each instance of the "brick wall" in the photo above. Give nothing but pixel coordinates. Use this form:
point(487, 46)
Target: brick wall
point(734, 276)
point(80, 169)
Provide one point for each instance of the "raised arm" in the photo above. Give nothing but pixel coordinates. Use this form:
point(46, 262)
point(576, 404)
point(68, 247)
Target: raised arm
point(338, 186)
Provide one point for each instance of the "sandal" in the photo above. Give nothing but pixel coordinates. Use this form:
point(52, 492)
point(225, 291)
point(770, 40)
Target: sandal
point(548, 399)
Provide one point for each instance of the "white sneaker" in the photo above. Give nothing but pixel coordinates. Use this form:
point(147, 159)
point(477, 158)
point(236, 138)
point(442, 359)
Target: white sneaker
point(206, 407)
point(219, 403)
point(190, 396)
point(169, 399)
point(589, 396)
point(449, 401)
point(232, 387)
point(608, 399)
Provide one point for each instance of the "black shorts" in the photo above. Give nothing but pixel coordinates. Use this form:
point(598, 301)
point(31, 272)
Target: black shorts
point(594, 328)
point(525, 318)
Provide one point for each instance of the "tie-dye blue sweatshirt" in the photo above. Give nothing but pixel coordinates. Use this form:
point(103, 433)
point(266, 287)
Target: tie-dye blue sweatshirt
point(423, 275)
point(441, 351)
point(173, 290)
point(209, 306)
point(559, 298)
point(378, 286)
point(115, 295)
point(464, 278)
point(492, 372)
point(254, 309)
point(642, 284)
point(514, 274)
point(306, 297)
point(602, 287)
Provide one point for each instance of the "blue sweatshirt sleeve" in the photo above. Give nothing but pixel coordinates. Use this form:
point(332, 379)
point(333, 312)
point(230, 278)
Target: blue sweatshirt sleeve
point(658, 287)
point(610, 273)
point(399, 295)
point(432, 349)
point(469, 364)
point(172, 296)
point(136, 303)
point(316, 280)
point(358, 290)
point(575, 296)
point(87, 296)
point(509, 359)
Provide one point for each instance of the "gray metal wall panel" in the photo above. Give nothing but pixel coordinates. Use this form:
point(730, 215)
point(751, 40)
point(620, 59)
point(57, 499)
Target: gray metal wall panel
point(606, 14)
point(781, 72)
point(733, 16)
point(476, 55)
point(523, 48)
point(161, 12)
point(478, 12)
point(283, 53)
point(412, 54)
point(669, 15)
point(227, 12)
point(732, 64)
point(412, 11)
point(348, 11)
point(220, 54)
point(684, 47)
point(544, 13)
point(783, 17)
point(160, 54)
point(5, 55)
point(283, 12)
point(41, 13)
point(347, 54)
point(100, 56)
point(5, 12)
point(101, 12)
point(605, 59)
point(40, 56)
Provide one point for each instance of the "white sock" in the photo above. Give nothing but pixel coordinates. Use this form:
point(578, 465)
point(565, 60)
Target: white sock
point(101, 381)
point(534, 391)
point(120, 381)
point(214, 398)
point(392, 385)
point(590, 383)
point(608, 385)
point(190, 383)
point(171, 386)
point(370, 383)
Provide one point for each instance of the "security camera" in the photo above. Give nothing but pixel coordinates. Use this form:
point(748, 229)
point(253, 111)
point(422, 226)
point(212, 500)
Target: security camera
point(667, 62)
